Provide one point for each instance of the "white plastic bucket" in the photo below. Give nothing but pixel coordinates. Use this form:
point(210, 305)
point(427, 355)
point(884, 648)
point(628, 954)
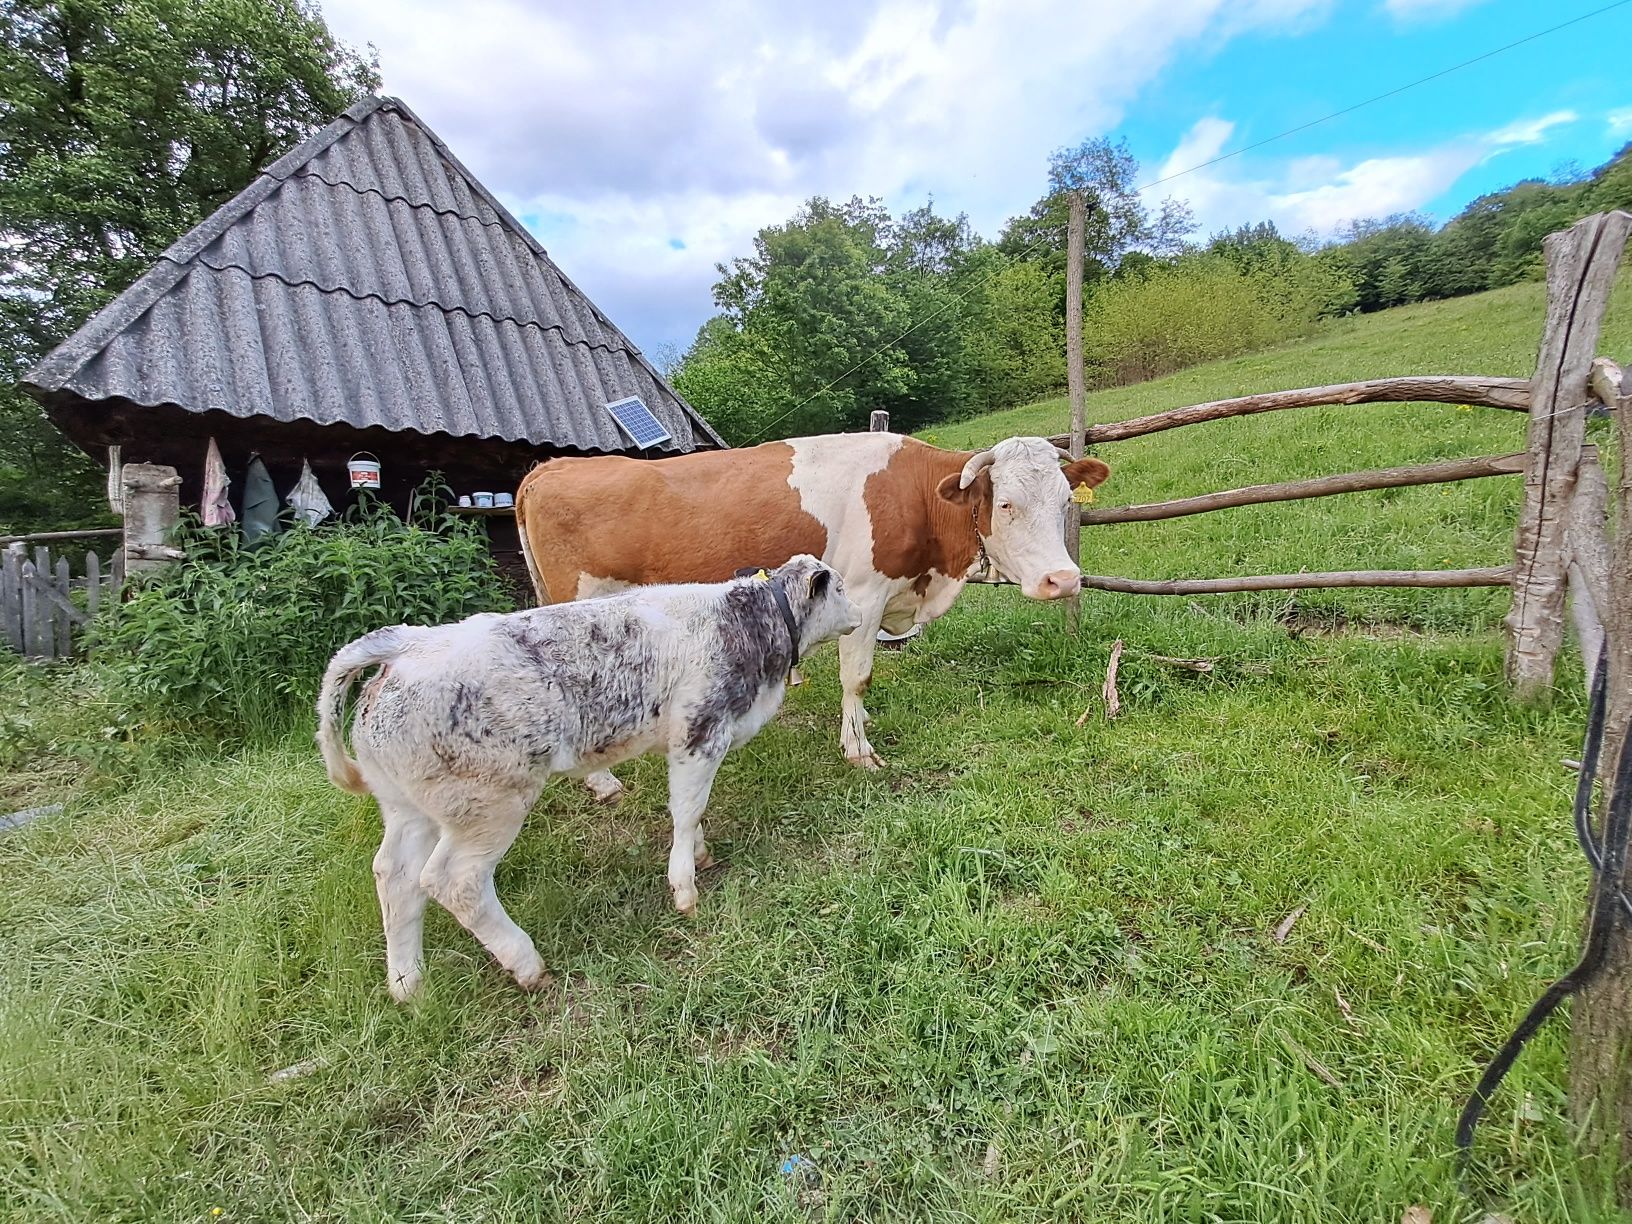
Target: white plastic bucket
point(363, 473)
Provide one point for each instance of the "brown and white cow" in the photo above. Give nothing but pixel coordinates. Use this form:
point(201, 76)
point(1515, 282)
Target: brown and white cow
point(903, 522)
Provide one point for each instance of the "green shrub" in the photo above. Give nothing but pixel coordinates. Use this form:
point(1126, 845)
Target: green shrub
point(234, 639)
point(1200, 308)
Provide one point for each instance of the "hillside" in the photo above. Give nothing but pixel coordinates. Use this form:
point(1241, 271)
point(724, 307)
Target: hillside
point(1430, 527)
point(1238, 955)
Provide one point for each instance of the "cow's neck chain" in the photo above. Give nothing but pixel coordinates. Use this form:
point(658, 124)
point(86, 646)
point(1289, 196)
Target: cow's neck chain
point(983, 559)
point(781, 597)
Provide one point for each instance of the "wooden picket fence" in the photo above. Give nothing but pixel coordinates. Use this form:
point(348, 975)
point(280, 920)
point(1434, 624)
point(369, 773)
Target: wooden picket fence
point(40, 618)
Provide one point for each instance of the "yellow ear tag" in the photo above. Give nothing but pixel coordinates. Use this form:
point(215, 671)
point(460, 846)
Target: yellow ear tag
point(1082, 494)
point(763, 576)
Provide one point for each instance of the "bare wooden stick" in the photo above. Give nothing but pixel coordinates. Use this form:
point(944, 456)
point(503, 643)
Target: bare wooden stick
point(1113, 699)
point(47, 537)
point(1477, 390)
point(1499, 575)
point(1581, 265)
point(1319, 486)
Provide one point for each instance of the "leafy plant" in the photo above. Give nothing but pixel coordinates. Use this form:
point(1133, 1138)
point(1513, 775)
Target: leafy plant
point(234, 639)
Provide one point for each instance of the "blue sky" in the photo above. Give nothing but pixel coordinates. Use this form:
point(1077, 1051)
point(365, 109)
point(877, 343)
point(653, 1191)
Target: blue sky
point(644, 142)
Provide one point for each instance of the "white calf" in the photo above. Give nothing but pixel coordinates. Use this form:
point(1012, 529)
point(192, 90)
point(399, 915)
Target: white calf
point(458, 732)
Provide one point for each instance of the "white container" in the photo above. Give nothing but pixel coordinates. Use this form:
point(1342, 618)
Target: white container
point(484, 501)
point(505, 500)
point(364, 473)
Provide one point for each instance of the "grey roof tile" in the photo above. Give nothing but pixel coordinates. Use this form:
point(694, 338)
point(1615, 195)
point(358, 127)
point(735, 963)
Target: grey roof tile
point(367, 278)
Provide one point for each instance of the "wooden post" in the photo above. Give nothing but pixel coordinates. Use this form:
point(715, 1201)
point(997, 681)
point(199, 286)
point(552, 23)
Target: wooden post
point(152, 504)
point(1581, 265)
point(93, 584)
point(1600, 1088)
point(1588, 573)
point(1074, 379)
point(11, 597)
point(879, 422)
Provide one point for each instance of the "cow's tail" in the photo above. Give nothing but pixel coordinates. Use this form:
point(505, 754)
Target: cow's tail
point(540, 588)
point(370, 650)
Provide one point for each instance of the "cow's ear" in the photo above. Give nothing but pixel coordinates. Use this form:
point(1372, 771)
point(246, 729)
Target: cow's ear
point(1086, 472)
point(949, 491)
point(819, 582)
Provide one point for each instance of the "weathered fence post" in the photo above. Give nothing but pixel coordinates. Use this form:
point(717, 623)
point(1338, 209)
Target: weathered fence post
point(1074, 380)
point(152, 503)
point(879, 422)
point(1581, 265)
point(1601, 1022)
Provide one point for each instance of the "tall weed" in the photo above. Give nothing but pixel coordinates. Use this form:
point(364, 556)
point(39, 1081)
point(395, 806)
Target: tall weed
point(234, 639)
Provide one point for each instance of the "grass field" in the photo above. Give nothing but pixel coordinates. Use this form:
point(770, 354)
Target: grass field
point(1026, 973)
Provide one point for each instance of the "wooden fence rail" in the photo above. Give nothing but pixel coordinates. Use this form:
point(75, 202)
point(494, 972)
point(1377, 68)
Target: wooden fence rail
point(1499, 575)
point(1474, 390)
point(1320, 486)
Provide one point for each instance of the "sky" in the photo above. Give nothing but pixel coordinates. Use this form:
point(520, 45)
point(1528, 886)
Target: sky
point(643, 142)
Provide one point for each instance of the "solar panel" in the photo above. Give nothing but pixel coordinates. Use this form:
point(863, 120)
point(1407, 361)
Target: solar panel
point(636, 420)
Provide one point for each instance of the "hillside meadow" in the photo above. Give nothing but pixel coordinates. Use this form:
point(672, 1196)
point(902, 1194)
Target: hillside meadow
point(1028, 972)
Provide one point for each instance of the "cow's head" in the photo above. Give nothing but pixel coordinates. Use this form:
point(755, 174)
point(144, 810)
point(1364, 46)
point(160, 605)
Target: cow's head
point(1020, 498)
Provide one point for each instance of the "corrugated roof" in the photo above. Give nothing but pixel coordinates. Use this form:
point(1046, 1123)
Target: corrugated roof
point(367, 278)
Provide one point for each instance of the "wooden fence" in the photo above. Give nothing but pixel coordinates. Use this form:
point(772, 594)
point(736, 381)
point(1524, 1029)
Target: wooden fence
point(40, 618)
point(1558, 546)
point(1563, 556)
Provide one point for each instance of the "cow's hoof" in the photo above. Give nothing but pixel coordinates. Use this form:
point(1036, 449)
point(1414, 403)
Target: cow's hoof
point(866, 760)
point(708, 860)
point(794, 678)
point(685, 902)
point(606, 790)
point(404, 987)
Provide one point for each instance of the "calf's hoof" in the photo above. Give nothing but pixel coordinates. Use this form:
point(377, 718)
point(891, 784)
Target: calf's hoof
point(685, 901)
point(404, 986)
point(534, 980)
point(794, 678)
point(706, 861)
point(867, 759)
point(608, 790)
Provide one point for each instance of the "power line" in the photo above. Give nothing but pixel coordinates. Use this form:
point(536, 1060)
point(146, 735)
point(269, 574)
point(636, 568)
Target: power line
point(1292, 131)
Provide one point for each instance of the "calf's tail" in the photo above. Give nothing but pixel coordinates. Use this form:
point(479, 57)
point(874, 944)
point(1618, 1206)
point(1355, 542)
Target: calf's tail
point(370, 650)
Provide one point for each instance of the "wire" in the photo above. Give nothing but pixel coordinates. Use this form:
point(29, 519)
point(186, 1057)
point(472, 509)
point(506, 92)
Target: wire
point(1292, 131)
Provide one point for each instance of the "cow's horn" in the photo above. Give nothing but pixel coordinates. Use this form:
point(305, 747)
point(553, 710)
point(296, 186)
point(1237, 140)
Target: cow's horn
point(1065, 454)
point(976, 465)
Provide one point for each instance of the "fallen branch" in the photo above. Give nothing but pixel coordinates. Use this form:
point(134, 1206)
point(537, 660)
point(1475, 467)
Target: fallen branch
point(1287, 923)
point(1499, 575)
point(1113, 699)
point(1319, 486)
point(1511, 393)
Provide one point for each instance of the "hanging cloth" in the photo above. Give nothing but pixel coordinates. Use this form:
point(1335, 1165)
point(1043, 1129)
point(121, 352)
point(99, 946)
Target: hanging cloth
point(216, 509)
point(260, 502)
point(310, 505)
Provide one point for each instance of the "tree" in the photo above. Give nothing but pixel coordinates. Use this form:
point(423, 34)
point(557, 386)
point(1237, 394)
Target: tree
point(122, 125)
point(1118, 220)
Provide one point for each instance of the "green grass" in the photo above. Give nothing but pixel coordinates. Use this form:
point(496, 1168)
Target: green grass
point(1027, 973)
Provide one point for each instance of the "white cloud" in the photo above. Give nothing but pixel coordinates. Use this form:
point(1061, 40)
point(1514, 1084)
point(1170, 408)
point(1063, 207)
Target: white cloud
point(629, 123)
point(1620, 120)
point(1324, 193)
point(1426, 10)
point(1530, 131)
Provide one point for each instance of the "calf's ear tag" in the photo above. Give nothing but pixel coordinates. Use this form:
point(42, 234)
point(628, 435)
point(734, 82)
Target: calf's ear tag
point(1082, 494)
point(763, 576)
